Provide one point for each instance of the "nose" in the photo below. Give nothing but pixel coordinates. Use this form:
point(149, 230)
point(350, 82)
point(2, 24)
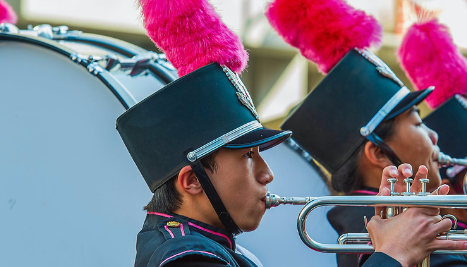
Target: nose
point(433, 135)
point(265, 174)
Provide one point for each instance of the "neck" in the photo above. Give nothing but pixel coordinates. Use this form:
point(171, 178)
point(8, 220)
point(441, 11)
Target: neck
point(199, 209)
point(370, 174)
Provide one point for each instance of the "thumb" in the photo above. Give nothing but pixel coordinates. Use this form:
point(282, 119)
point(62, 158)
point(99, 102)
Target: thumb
point(384, 192)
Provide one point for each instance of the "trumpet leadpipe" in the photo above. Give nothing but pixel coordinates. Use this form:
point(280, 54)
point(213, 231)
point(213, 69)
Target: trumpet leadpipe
point(273, 200)
point(432, 201)
point(445, 160)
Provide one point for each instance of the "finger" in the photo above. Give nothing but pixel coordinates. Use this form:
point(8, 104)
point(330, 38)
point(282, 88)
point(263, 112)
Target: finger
point(430, 212)
point(388, 172)
point(439, 244)
point(441, 227)
point(441, 190)
point(383, 192)
point(425, 210)
point(436, 219)
point(448, 183)
point(404, 171)
point(422, 173)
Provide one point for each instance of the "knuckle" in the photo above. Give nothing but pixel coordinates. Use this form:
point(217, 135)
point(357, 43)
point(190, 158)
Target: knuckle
point(437, 219)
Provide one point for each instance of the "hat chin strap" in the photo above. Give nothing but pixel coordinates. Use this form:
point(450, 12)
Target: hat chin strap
point(214, 198)
point(375, 139)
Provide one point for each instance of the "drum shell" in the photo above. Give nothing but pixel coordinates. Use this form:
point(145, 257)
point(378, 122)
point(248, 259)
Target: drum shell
point(70, 193)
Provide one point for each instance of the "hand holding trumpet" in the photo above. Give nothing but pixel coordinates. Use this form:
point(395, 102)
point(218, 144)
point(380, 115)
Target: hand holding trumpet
point(411, 236)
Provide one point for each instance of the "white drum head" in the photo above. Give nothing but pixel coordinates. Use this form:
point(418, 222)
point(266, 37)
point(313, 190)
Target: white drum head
point(70, 193)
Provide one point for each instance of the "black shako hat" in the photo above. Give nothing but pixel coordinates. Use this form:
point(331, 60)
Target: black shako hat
point(208, 108)
point(450, 122)
point(190, 118)
point(342, 112)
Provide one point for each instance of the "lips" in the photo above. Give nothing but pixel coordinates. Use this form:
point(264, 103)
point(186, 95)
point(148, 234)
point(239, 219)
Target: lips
point(436, 155)
point(263, 201)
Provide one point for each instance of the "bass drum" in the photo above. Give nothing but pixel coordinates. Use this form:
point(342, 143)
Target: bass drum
point(70, 194)
point(276, 241)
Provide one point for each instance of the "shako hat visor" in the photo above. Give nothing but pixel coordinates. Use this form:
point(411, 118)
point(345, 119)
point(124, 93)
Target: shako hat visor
point(264, 138)
point(412, 99)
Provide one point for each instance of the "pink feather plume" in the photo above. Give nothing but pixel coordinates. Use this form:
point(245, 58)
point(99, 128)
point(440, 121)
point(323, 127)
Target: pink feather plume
point(192, 35)
point(429, 57)
point(323, 30)
point(7, 14)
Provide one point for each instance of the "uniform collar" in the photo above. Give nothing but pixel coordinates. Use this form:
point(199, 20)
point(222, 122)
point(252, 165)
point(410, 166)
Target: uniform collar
point(364, 191)
point(221, 236)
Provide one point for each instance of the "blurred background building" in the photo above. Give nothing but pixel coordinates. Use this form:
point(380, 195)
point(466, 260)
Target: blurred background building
point(278, 77)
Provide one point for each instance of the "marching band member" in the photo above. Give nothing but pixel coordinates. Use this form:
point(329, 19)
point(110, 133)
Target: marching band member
point(361, 118)
point(450, 121)
point(441, 64)
point(196, 143)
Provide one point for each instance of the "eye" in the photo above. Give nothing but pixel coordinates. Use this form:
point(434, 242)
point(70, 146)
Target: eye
point(249, 154)
point(419, 124)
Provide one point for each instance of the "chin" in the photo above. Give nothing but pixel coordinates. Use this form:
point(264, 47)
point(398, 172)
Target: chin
point(249, 228)
point(435, 180)
point(250, 225)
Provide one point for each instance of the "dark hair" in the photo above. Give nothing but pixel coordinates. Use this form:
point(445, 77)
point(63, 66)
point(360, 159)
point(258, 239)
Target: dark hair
point(166, 198)
point(348, 178)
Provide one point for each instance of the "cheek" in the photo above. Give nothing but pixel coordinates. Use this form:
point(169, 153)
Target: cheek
point(234, 183)
point(413, 148)
point(418, 143)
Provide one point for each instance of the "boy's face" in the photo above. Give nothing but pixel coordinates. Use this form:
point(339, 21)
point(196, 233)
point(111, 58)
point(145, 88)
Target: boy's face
point(241, 181)
point(416, 144)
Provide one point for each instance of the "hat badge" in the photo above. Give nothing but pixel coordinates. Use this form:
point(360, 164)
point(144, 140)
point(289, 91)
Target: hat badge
point(242, 93)
point(381, 67)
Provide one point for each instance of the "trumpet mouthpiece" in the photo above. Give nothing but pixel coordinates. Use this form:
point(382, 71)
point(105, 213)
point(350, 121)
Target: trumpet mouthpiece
point(445, 160)
point(272, 200)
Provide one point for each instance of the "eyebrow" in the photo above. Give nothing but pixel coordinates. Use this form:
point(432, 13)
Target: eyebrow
point(415, 109)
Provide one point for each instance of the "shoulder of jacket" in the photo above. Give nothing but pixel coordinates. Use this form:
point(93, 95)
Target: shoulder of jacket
point(181, 247)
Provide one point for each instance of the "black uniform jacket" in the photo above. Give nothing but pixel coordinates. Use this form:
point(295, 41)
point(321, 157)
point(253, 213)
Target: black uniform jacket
point(350, 220)
point(174, 240)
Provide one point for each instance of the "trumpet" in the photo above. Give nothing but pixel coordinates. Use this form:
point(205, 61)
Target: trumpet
point(395, 204)
point(455, 167)
point(445, 161)
point(357, 242)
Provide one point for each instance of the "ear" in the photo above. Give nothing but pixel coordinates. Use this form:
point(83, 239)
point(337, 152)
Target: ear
point(188, 182)
point(375, 155)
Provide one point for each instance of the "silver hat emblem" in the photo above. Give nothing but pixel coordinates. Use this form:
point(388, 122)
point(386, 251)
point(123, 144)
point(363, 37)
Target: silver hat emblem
point(381, 67)
point(242, 93)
